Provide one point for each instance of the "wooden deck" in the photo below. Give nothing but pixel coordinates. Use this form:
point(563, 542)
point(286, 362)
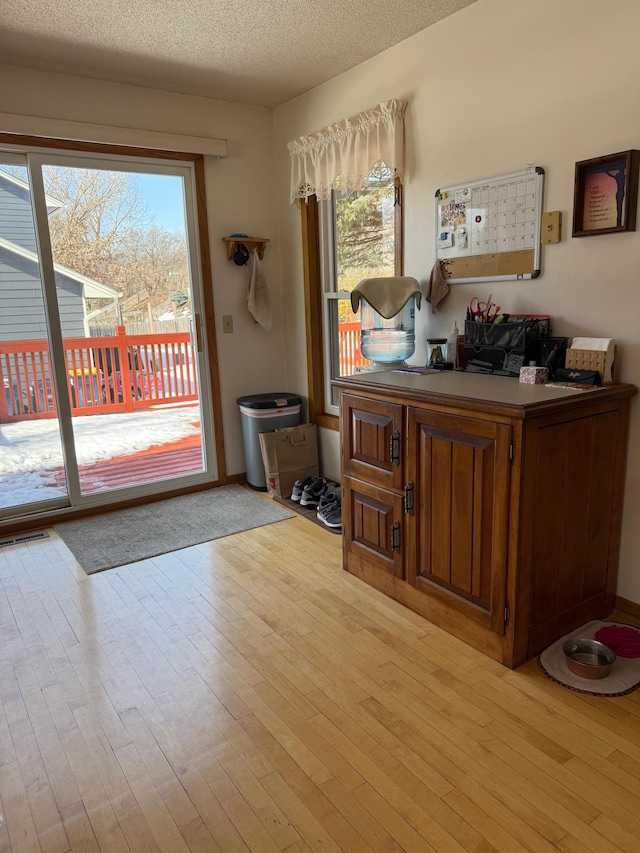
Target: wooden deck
point(175, 459)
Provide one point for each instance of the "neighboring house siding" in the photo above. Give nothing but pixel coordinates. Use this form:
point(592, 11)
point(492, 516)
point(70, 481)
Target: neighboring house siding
point(22, 314)
point(16, 217)
point(71, 307)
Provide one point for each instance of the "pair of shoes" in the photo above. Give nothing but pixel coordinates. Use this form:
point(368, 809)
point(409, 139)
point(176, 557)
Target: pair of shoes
point(312, 493)
point(299, 486)
point(330, 508)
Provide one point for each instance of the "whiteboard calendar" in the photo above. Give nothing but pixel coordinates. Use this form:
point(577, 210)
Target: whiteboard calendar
point(489, 230)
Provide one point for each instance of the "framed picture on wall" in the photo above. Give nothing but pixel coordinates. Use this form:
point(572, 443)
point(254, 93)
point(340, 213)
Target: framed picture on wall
point(605, 194)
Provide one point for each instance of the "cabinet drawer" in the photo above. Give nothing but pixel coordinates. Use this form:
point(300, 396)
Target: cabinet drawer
point(372, 441)
point(373, 521)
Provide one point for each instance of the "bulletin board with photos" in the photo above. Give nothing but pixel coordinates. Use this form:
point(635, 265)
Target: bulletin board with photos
point(489, 230)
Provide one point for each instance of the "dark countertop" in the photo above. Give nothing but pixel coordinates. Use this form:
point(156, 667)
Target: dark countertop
point(471, 389)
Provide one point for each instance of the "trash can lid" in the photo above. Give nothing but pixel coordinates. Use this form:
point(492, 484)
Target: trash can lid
point(269, 401)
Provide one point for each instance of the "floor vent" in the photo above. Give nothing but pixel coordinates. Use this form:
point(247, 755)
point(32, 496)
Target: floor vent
point(28, 537)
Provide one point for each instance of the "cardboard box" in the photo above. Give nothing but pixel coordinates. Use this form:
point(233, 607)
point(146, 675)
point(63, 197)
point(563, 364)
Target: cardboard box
point(288, 455)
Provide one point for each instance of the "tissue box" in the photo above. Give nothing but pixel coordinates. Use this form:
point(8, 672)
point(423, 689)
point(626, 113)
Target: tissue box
point(534, 375)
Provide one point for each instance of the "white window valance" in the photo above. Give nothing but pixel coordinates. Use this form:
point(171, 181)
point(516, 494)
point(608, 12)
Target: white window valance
point(341, 155)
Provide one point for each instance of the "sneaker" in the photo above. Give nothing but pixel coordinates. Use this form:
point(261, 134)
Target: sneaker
point(330, 510)
point(299, 486)
point(329, 495)
point(313, 492)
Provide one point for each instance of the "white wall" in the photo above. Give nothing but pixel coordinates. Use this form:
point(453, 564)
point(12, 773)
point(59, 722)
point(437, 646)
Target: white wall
point(241, 190)
point(501, 85)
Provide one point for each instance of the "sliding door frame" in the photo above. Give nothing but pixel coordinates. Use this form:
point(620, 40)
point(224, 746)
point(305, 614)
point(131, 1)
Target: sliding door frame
point(41, 150)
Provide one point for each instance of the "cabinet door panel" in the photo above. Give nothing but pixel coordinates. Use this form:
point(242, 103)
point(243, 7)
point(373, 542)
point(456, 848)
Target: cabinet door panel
point(457, 539)
point(465, 537)
point(372, 441)
point(373, 521)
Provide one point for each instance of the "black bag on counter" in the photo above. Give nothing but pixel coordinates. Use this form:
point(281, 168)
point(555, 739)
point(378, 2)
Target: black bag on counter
point(583, 377)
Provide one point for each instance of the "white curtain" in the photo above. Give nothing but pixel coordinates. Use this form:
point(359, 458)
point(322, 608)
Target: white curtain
point(342, 155)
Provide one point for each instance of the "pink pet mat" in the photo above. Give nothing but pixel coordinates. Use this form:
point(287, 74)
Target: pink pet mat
point(622, 639)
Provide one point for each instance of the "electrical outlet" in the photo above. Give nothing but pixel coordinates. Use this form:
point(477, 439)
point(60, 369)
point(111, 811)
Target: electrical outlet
point(551, 227)
point(227, 323)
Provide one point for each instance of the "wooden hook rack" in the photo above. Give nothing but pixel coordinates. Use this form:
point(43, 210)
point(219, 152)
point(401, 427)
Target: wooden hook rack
point(257, 243)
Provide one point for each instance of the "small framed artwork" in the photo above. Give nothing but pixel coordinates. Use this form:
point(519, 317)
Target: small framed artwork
point(606, 194)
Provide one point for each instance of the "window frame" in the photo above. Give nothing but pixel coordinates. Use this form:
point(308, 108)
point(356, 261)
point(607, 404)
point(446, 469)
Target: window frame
point(318, 248)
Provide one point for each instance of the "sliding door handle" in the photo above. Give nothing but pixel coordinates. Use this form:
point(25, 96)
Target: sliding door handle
point(198, 327)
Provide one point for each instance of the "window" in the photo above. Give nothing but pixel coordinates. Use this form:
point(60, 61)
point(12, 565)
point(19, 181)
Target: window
point(347, 179)
point(348, 237)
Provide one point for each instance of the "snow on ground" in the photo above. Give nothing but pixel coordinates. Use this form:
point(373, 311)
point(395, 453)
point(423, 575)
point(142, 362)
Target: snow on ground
point(30, 449)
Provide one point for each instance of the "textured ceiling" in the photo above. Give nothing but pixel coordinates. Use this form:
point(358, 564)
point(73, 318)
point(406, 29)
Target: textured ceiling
point(261, 52)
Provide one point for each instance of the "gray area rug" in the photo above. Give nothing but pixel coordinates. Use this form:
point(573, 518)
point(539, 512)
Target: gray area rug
point(113, 539)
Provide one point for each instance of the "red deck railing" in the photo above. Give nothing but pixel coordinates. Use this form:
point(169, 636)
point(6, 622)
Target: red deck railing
point(121, 373)
point(349, 347)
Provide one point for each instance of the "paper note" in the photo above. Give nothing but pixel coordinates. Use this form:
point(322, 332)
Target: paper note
point(599, 344)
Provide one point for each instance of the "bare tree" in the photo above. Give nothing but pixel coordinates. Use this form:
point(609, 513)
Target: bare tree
point(104, 229)
point(91, 228)
point(159, 259)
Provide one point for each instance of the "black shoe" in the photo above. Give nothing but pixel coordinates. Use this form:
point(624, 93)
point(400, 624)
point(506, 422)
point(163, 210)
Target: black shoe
point(299, 486)
point(313, 492)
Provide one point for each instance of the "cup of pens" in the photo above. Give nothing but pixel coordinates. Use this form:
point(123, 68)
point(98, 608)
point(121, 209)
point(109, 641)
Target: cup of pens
point(483, 312)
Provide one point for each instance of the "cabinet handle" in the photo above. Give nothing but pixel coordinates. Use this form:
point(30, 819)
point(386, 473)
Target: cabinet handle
point(395, 537)
point(408, 498)
point(394, 448)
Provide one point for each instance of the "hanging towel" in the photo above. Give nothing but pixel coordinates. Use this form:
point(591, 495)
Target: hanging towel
point(258, 299)
point(438, 286)
point(387, 296)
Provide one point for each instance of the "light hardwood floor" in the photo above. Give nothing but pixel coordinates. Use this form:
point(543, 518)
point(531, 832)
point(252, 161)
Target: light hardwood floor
point(247, 694)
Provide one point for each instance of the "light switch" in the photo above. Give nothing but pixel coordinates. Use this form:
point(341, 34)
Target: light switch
point(227, 323)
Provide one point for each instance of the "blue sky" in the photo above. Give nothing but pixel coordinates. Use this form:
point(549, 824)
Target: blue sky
point(163, 194)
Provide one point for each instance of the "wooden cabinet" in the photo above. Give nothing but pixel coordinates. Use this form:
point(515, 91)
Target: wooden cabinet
point(498, 516)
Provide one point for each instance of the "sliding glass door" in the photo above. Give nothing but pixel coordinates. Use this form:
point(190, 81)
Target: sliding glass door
point(101, 353)
point(32, 458)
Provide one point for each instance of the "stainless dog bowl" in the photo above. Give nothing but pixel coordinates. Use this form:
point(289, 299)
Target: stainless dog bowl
point(588, 658)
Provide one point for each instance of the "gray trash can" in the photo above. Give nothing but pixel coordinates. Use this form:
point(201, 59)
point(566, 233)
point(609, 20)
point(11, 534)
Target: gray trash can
point(262, 413)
